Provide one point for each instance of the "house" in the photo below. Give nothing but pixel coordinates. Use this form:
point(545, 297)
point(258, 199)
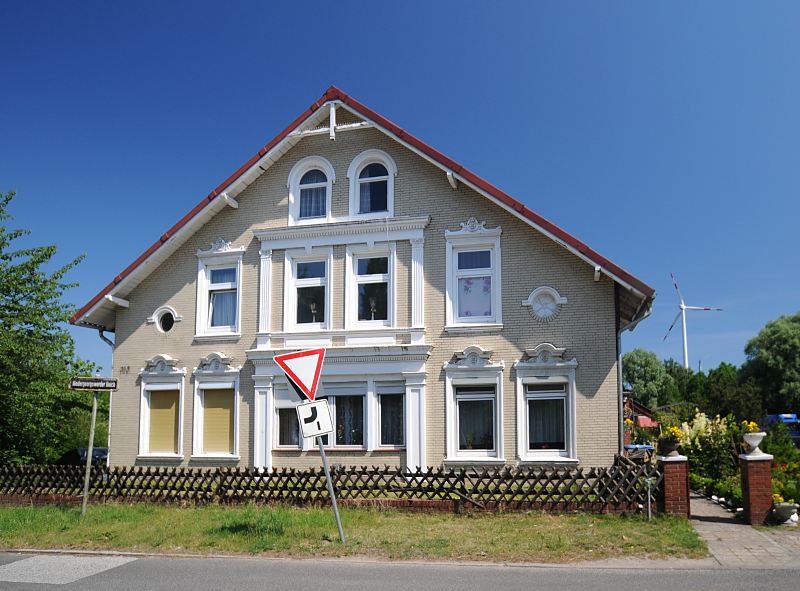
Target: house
point(462, 328)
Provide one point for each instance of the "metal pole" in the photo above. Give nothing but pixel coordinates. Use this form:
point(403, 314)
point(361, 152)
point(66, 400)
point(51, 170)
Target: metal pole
point(685, 339)
point(89, 451)
point(330, 488)
point(649, 483)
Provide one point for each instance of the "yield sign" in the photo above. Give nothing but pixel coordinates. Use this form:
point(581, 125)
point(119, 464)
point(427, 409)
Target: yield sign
point(303, 369)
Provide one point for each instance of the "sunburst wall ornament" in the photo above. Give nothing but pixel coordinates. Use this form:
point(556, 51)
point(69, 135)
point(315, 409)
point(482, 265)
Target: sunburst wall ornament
point(545, 303)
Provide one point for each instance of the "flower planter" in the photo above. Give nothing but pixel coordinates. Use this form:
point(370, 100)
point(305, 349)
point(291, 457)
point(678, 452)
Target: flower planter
point(753, 440)
point(668, 447)
point(783, 512)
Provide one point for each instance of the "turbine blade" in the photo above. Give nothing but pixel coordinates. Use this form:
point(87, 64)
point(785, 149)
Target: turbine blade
point(704, 308)
point(671, 326)
point(678, 289)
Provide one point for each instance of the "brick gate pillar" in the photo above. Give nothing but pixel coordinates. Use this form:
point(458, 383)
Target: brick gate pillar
point(756, 486)
point(674, 498)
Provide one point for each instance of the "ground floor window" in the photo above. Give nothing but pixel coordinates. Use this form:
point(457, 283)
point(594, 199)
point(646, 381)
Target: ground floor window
point(476, 417)
point(164, 422)
point(547, 416)
point(218, 421)
point(288, 428)
point(391, 402)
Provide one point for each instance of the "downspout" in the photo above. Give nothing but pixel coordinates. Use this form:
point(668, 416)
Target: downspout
point(110, 343)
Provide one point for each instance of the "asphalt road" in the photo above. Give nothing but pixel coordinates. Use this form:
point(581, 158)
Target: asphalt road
point(89, 573)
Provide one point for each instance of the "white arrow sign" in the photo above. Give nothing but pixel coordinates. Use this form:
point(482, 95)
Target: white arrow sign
point(314, 418)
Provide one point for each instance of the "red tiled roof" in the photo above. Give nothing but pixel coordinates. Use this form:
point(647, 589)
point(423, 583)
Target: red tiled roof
point(334, 93)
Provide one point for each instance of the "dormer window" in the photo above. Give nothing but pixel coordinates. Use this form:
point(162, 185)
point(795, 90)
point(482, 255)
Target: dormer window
point(371, 176)
point(313, 189)
point(310, 184)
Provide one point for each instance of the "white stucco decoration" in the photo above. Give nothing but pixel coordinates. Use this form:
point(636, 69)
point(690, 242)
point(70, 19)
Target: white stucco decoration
point(545, 303)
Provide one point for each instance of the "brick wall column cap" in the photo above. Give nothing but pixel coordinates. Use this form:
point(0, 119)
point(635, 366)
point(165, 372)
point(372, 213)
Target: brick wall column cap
point(672, 459)
point(760, 457)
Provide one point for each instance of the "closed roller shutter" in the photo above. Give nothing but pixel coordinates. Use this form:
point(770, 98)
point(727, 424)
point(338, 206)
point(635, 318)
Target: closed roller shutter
point(164, 421)
point(218, 421)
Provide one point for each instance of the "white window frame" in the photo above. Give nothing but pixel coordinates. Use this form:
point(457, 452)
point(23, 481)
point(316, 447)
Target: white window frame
point(545, 366)
point(161, 374)
point(364, 159)
point(293, 184)
point(292, 257)
point(372, 392)
point(367, 434)
point(217, 258)
point(353, 280)
point(473, 368)
point(473, 237)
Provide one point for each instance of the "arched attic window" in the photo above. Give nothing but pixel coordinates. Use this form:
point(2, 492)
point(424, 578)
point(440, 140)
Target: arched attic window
point(310, 183)
point(371, 177)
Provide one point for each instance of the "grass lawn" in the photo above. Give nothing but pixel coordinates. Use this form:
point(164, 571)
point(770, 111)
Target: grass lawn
point(513, 537)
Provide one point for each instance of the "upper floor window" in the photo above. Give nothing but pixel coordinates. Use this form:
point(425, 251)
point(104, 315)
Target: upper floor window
point(369, 298)
point(371, 176)
point(473, 276)
point(219, 289)
point(313, 194)
point(307, 295)
point(310, 183)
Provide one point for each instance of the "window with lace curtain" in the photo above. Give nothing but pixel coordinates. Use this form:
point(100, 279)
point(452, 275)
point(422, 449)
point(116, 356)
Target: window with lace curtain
point(310, 186)
point(547, 416)
point(313, 194)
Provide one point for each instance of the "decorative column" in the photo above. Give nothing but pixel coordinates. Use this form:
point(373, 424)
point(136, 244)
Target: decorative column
point(415, 420)
point(263, 421)
point(264, 287)
point(674, 499)
point(756, 469)
point(417, 290)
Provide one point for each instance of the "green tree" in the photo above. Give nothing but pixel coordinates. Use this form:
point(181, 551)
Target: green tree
point(728, 394)
point(37, 353)
point(773, 362)
point(647, 379)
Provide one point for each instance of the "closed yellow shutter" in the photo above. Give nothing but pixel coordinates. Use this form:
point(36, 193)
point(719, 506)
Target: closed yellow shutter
point(164, 421)
point(218, 421)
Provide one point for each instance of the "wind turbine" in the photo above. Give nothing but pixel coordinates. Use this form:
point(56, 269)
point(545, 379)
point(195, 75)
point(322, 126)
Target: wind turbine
point(682, 315)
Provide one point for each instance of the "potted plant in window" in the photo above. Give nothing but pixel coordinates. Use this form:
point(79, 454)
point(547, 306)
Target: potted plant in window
point(783, 510)
point(669, 441)
point(752, 437)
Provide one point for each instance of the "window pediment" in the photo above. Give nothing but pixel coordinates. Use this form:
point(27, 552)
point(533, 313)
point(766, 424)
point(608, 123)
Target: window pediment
point(162, 366)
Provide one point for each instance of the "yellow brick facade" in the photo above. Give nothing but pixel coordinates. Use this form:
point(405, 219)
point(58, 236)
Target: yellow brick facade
point(585, 326)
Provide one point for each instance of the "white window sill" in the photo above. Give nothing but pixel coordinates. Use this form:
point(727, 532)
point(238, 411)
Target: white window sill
point(287, 448)
point(219, 336)
point(470, 460)
point(390, 448)
point(214, 457)
point(159, 457)
point(548, 460)
point(473, 327)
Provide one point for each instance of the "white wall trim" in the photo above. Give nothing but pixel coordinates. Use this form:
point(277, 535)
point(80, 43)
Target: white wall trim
point(418, 285)
point(264, 293)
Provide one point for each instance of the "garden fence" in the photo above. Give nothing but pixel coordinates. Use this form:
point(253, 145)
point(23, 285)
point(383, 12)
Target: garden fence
point(618, 488)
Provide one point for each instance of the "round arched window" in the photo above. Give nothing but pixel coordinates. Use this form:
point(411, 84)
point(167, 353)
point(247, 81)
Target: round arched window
point(373, 188)
point(313, 186)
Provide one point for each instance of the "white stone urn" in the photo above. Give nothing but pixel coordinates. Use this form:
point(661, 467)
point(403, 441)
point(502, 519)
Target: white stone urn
point(783, 513)
point(753, 440)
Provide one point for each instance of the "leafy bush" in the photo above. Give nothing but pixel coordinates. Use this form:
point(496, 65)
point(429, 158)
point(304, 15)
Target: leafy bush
point(710, 445)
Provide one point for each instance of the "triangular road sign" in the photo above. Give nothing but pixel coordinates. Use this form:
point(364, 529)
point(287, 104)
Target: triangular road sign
point(303, 369)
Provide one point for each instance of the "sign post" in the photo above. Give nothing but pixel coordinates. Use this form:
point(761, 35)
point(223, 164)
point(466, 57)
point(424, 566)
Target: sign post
point(94, 385)
point(303, 369)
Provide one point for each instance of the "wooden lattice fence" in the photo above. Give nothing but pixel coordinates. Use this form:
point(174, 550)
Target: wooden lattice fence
point(621, 487)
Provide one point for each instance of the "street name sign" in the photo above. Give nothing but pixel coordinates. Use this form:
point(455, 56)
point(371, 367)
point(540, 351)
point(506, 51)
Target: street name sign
point(303, 369)
point(93, 384)
point(314, 418)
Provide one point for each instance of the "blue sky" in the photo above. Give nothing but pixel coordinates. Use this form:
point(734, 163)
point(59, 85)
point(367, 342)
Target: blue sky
point(663, 134)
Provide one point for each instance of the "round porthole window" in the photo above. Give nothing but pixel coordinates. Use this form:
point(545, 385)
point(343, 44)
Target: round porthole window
point(166, 321)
